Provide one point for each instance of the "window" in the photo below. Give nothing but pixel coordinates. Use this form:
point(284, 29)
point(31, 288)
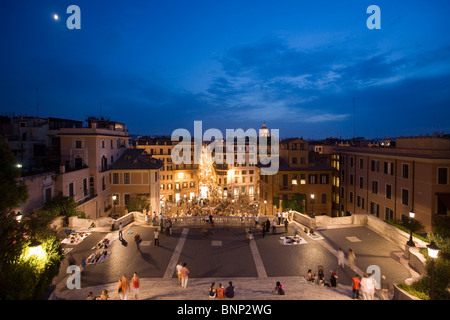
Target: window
point(441, 207)
point(405, 171)
point(442, 176)
point(78, 163)
point(351, 197)
point(361, 182)
point(375, 187)
point(285, 180)
point(389, 168)
point(312, 179)
point(374, 165)
point(351, 162)
point(126, 178)
point(47, 194)
point(324, 179)
point(71, 193)
point(389, 214)
point(78, 144)
point(374, 208)
point(126, 198)
point(361, 163)
point(115, 178)
point(388, 191)
point(302, 178)
point(294, 179)
point(405, 197)
point(324, 198)
point(85, 188)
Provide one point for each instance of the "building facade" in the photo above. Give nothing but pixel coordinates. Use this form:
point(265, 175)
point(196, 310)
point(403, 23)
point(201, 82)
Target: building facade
point(311, 183)
point(135, 176)
point(178, 181)
point(411, 175)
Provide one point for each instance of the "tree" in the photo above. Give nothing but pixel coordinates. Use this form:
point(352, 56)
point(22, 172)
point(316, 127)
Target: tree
point(296, 203)
point(13, 193)
point(59, 206)
point(138, 202)
point(23, 275)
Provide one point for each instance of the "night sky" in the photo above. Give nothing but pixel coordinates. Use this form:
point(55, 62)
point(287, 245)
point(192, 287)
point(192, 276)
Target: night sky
point(159, 65)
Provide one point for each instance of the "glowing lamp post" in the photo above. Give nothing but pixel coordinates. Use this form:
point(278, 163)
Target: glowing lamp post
point(114, 197)
point(410, 241)
point(433, 252)
point(35, 249)
point(312, 205)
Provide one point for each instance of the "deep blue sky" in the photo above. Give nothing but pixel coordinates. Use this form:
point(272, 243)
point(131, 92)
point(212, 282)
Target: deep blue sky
point(158, 65)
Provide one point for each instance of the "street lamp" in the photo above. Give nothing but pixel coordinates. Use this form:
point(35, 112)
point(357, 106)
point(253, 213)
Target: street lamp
point(265, 207)
point(410, 241)
point(312, 205)
point(114, 197)
point(35, 249)
point(433, 251)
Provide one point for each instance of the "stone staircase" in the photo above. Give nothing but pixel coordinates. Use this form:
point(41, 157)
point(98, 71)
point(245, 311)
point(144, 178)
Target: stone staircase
point(297, 288)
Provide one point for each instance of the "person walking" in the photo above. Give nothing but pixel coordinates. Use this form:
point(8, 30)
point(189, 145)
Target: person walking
point(156, 236)
point(123, 287)
point(184, 276)
point(249, 237)
point(120, 231)
point(368, 287)
point(351, 259)
point(341, 258)
point(384, 288)
point(356, 281)
point(178, 270)
point(135, 284)
point(371, 286)
point(168, 228)
point(138, 240)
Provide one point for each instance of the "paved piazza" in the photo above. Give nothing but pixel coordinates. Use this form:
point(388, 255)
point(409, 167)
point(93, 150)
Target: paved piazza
point(224, 254)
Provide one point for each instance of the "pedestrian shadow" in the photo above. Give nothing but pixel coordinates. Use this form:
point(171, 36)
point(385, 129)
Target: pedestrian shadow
point(147, 257)
point(124, 242)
